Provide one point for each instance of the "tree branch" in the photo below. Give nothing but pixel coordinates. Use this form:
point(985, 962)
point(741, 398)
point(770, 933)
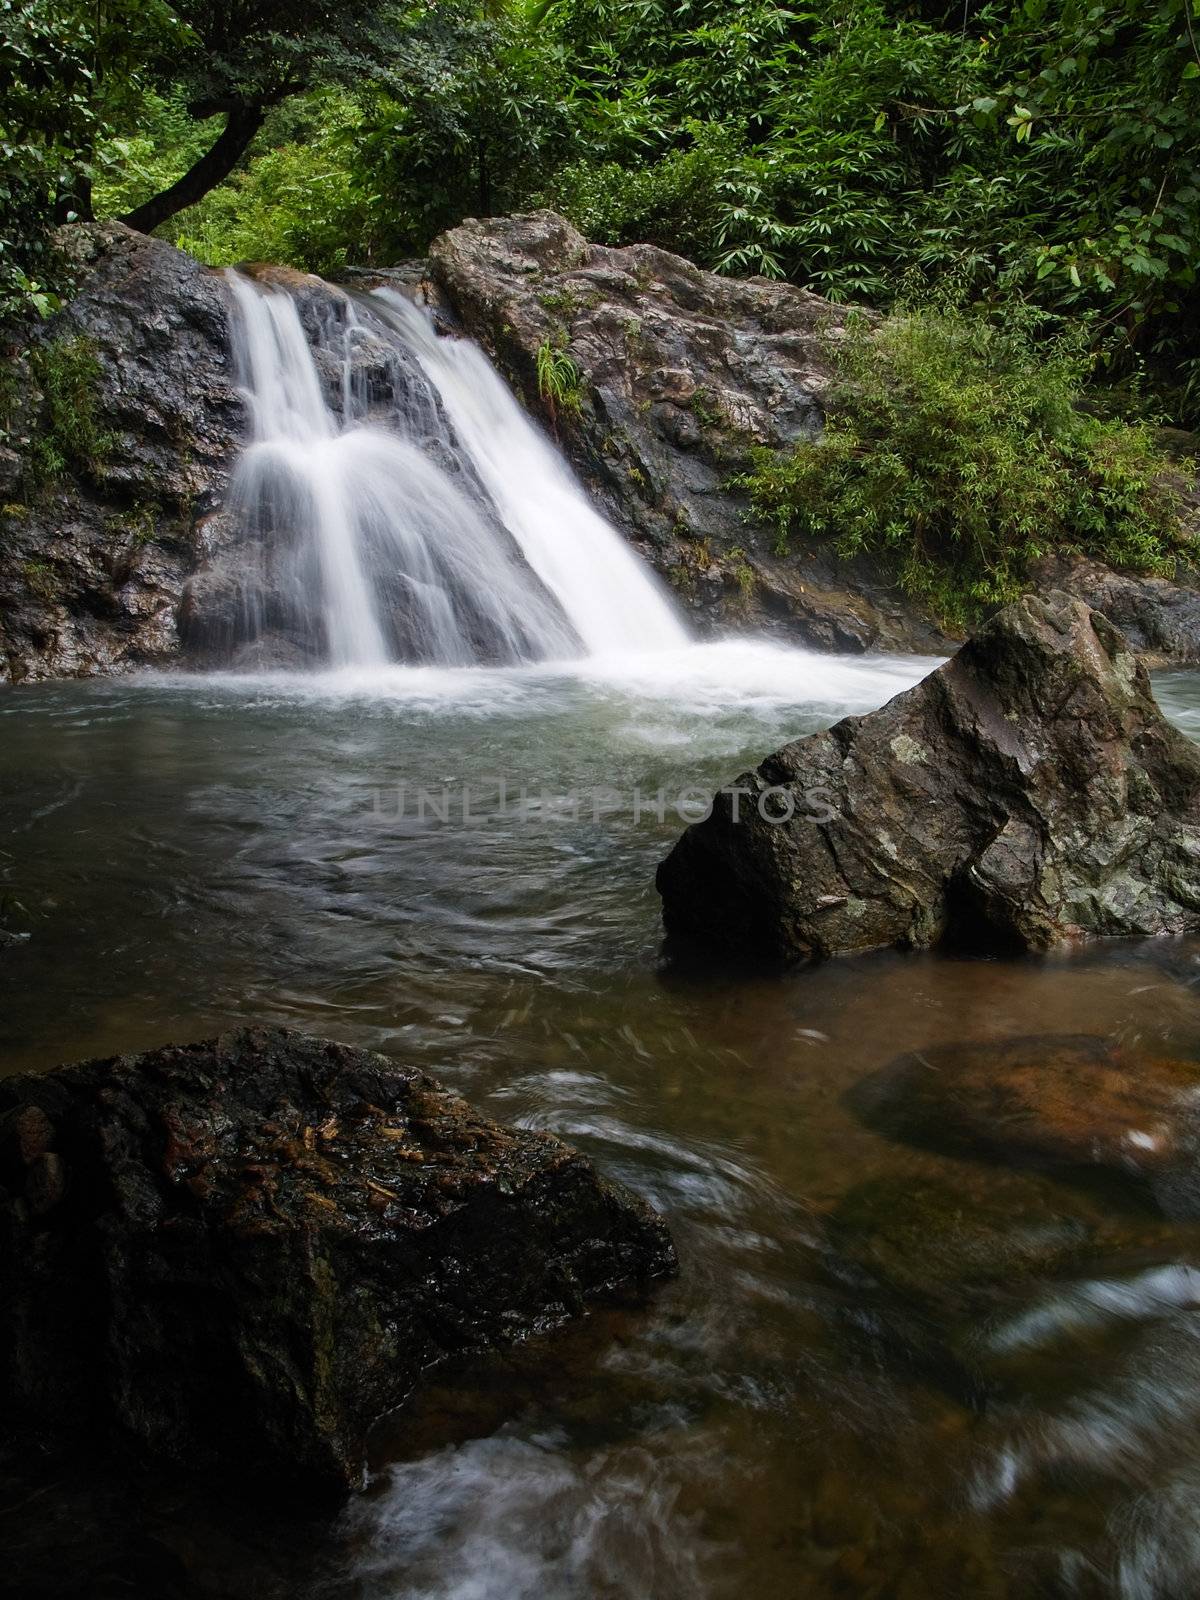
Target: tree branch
point(241, 124)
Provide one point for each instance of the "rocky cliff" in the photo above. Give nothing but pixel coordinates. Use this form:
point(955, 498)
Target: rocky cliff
point(121, 421)
point(681, 373)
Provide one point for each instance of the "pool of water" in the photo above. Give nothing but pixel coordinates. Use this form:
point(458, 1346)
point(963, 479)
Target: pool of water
point(457, 868)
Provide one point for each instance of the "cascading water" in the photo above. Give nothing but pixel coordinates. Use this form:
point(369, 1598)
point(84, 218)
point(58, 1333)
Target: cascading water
point(612, 601)
point(395, 504)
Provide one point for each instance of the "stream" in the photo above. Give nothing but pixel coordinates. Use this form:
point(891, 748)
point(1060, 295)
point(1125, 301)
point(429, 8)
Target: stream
point(187, 852)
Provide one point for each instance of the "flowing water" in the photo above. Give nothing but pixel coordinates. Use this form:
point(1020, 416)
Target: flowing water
point(187, 852)
point(454, 863)
point(395, 503)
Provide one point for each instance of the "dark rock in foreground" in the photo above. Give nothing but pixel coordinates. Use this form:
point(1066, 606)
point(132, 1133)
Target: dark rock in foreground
point(1028, 792)
point(1054, 1101)
point(240, 1253)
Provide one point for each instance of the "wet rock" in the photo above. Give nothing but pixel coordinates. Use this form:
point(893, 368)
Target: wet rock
point(1027, 793)
point(1049, 1100)
point(241, 1253)
point(928, 1262)
point(93, 560)
point(683, 374)
point(1160, 619)
point(924, 1236)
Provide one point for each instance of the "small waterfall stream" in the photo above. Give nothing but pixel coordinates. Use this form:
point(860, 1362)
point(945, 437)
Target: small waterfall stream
point(395, 504)
point(613, 603)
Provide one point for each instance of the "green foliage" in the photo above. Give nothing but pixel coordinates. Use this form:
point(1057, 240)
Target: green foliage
point(68, 435)
point(955, 452)
point(999, 153)
point(743, 573)
point(1041, 152)
point(45, 116)
point(298, 201)
point(83, 83)
point(674, 202)
point(132, 166)
point(558, 380)
point(69, 70)
point(262, 51)
point(468, 122)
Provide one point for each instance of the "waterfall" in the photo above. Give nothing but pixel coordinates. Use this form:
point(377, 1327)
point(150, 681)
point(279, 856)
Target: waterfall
point(394, 503)
point(612, 601)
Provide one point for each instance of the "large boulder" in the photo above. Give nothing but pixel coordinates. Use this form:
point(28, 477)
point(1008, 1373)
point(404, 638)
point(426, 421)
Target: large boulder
point(240, 1253)
point(1160, 619)
point(683, 374)
point(94, 558)
point(1027, 793)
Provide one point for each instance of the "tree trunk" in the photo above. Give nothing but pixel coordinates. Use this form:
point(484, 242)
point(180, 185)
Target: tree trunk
point(241, 124)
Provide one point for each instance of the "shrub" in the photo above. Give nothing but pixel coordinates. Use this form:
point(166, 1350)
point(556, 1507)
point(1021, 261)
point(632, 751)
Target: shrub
point(674, 202)
point(956, 453)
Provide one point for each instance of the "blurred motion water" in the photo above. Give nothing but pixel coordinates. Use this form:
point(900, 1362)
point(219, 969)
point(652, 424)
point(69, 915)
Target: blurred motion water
point(184, 853)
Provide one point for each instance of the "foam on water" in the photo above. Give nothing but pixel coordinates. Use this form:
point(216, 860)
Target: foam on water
point(744, 676)
point(512, 1518)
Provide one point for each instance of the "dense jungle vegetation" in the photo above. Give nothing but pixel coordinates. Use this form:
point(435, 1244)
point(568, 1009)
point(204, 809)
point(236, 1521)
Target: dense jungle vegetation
point(1018, 182)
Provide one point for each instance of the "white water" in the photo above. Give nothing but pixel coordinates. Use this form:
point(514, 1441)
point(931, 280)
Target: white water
point(614, 603)
point(295, 469)
point(437, 526)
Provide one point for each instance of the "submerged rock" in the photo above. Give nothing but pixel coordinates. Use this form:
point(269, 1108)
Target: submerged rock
point(924, 1236)
point(241, 1253)
point(981, 1280)
point(1054, 1101)
point(927, 1261)
point(1027, 793)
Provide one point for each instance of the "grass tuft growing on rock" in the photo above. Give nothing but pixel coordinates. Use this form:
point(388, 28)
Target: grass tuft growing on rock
point(69, 436)
point(558, 379)
point(957, 454)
